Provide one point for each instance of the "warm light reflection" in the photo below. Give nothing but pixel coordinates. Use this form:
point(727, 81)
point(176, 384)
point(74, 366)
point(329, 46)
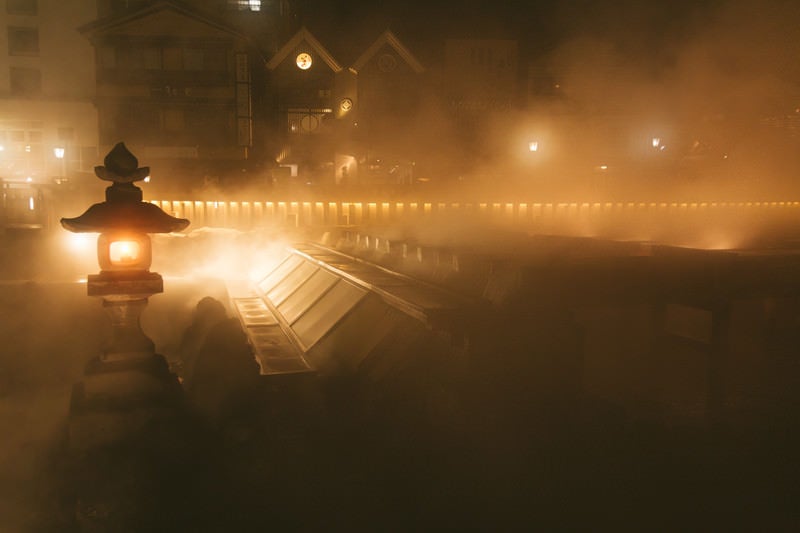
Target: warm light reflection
point(80, 243)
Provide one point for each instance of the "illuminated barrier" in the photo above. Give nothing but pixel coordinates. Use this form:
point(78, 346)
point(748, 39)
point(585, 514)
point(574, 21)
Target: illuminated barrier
point(530, 216)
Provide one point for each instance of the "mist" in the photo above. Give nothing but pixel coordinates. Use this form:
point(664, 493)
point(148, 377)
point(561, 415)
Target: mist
point(714, 82)
point(670, 124)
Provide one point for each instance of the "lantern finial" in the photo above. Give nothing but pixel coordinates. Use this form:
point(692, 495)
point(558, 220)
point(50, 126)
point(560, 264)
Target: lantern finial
point(121, 166)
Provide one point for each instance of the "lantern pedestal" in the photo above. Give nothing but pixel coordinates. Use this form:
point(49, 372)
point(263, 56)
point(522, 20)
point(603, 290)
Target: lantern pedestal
point(129, 386)
point(128, 389)
point(124, 297)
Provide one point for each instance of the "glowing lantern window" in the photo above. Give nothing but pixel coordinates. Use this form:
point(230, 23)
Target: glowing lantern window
point(123, 252)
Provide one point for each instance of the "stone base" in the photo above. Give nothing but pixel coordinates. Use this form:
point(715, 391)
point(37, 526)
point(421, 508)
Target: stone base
point(119, 399)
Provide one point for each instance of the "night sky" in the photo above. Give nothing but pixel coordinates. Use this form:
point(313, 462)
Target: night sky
point(538, 22)
point(655, 32)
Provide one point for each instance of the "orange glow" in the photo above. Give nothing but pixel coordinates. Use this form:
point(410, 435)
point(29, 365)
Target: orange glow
point(123, 252)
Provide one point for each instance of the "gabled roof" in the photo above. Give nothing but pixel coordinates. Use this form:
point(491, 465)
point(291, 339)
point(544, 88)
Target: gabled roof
point(388, 38)
point(294, 42)
point(114, 21)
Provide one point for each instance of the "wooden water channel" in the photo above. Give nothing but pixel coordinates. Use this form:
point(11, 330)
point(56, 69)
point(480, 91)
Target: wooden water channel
point(580, 316)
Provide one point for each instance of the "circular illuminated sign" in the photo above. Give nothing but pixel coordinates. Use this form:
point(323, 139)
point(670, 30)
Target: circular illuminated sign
point(303, 61)
point(346, 104)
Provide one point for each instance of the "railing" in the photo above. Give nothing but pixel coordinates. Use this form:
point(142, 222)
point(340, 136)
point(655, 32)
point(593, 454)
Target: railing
point(246, 214)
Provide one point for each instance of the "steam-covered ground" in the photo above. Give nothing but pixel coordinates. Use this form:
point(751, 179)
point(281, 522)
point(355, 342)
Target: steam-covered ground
point(493, 444)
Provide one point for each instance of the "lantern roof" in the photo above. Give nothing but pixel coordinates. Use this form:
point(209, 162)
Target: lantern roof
point(123, 209)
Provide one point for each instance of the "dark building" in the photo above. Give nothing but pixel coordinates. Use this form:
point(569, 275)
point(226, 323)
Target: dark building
point(345, 125)
point(305, 82)
point(392, 87)
point(181, 83)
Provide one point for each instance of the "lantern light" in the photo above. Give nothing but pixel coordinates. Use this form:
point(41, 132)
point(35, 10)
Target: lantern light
point(124, 252)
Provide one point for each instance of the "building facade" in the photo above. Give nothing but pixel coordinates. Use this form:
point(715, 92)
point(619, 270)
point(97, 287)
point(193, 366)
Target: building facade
point(48, 121)
point(183, 84)
point(345, 126)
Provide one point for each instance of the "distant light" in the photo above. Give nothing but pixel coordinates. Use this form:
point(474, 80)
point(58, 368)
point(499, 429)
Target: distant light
point(2, 147)
point(656, 142)
point(28, 148)
point(147, 179)
point(603, 167)
point(533, 146)
point(31, 205)
point(29, 179)
point(58, 152)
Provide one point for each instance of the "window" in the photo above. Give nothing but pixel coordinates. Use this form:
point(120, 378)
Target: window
point(192, 59)
point(107, 56)
point(152, 58)
point(25, 81)
point(126, 5)
point(66, 134)
point(22, 7)
point(173, 120)
point(23, 41)
point(172, 58)
point(216, 61)
point(130, 58)
point(244, 5)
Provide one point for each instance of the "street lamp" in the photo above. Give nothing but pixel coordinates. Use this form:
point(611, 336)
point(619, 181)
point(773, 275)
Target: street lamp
point(129, 371)
point(59, 152)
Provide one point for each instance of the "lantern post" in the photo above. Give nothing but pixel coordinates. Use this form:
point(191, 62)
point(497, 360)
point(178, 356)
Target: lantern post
point(129, 383)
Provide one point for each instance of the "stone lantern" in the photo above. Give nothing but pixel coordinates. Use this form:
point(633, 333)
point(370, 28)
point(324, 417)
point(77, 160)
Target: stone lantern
point(129, 374)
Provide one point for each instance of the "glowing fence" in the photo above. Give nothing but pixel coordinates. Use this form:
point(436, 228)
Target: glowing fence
point(239, 214)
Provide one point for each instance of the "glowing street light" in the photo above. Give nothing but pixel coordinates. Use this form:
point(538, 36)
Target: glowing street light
point(59, 152)
point(533, 146)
